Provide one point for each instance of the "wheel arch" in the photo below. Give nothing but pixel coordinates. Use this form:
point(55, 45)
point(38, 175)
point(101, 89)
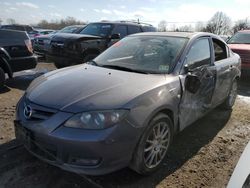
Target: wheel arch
point(4, 64)
point(167, 110)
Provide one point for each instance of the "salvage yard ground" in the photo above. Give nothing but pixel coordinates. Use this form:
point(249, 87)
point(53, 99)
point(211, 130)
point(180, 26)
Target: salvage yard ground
point(203, 155)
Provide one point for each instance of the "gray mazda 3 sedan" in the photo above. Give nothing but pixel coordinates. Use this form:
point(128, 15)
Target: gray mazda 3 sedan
point(124, 107)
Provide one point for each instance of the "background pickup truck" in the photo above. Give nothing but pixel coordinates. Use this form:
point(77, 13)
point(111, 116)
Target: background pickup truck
point(16, 53)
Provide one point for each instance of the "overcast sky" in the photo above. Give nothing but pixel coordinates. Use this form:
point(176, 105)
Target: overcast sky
point(151, 11)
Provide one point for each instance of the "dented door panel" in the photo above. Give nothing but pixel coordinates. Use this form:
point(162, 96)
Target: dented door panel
point(194, 105)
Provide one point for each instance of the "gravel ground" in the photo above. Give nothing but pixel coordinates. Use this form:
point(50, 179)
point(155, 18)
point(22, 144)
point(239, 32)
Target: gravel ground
point(203, 155)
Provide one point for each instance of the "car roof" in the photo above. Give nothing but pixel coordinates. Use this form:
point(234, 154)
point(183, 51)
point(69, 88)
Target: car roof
point(177, 34)
point(124, 23)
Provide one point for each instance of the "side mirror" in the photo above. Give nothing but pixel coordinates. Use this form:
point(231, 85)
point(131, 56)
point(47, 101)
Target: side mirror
point(115, 36)
point(192, 83)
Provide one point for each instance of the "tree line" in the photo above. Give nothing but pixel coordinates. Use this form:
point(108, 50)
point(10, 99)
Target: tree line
point(53, 24)
point(219, 24)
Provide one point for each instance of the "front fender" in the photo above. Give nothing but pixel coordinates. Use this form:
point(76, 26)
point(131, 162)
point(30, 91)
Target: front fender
point(162, 99)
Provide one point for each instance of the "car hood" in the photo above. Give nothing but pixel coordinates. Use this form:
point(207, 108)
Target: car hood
point(69, 36)
point(240, 47)
point(87, 87)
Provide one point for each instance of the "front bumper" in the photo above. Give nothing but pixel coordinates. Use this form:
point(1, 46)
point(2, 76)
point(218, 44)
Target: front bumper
point(91, 152)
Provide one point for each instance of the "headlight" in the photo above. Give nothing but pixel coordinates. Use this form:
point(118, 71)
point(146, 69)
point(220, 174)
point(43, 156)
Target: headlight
point(96, 119)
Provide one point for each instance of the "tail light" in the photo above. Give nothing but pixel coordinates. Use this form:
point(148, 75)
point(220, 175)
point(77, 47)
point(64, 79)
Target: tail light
point(29, 45)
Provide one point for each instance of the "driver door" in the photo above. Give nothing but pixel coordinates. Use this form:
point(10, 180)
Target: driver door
point(198, 82)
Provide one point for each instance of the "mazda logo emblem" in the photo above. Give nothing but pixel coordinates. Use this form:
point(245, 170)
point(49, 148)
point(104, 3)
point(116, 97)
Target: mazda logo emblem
point(27, 112)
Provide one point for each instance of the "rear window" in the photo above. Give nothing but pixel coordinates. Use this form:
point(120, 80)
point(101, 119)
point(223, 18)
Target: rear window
point(8, 35)
point(13, 27)
point(148, 29)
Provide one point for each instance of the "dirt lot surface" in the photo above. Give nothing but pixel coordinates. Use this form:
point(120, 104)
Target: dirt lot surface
point(203, 155)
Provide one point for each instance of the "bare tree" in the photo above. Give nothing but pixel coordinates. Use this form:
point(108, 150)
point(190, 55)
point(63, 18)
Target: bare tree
point(241, 24)
point(199, 26)
point(219, 24)
point(185, 28)
point(162, 26)
point(11, 21)
point(59, 24)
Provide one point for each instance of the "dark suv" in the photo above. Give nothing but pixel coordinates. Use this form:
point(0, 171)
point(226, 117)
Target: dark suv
point(71, 49)
point(16, 53)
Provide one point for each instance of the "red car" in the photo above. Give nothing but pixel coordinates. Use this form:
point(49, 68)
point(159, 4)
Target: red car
point(240, 44)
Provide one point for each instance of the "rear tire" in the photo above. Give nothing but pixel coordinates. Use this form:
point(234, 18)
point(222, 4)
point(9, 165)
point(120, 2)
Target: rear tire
point(2, 78)
point(153, 145)
point(229, 102)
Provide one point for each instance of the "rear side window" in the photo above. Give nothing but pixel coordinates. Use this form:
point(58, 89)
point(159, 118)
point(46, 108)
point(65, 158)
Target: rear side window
point(121, 29)
point(133, 29)
point(148, 29)
point(199, 54)
point(220, 50)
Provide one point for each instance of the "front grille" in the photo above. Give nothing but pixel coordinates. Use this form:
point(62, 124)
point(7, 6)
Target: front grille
point(38, 113)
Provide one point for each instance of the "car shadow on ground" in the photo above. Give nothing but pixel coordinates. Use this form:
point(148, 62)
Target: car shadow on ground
point(22, 80)
point(28, 171)
point(244, 86)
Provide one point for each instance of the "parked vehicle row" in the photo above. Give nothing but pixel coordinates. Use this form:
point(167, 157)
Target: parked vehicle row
point(41, 43)
point(16, 53)
point(124, 107)
point(71, 49)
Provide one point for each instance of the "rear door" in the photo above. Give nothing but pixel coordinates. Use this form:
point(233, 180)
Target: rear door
point(200, 65)
point(224, 68)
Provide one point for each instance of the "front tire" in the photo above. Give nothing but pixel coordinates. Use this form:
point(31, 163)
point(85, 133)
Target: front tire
point(2, 78)
point(153, 145)
point(229, 102)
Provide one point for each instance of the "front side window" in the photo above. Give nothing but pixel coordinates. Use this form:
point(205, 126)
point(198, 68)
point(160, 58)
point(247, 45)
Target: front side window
point(240, 38)
point(120, 29)
point(199, 54)
point(220, 50)
point(97, 29)
point(151, 54)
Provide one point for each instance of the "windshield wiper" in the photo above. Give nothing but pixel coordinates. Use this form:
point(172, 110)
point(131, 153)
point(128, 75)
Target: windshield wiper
point(117, 67)
point(92, 62)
